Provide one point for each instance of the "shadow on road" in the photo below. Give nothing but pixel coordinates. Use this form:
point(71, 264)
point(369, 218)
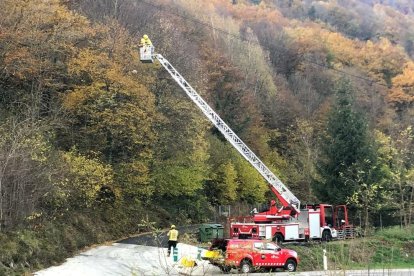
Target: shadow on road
point(158, 239)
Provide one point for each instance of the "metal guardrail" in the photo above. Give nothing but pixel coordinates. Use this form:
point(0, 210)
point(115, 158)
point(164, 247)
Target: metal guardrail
point(347, 233)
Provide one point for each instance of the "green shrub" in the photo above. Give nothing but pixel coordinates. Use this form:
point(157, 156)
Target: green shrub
point(9, 248)
point(388, 248)
point(397, 233)
point(53, 240)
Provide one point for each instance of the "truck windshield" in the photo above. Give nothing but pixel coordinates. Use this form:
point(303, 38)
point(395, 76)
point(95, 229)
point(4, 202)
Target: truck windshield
point(259, 245)
point(271, 246)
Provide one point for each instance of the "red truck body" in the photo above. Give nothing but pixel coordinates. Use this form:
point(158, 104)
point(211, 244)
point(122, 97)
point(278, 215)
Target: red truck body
point(321, 221)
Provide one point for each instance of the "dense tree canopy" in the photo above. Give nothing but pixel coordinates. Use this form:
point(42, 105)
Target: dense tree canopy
point(86, 128)
point(346, 144)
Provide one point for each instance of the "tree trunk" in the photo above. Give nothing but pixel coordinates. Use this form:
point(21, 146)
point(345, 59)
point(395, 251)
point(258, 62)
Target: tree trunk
point(116, 9)
point(1, 206)
point(410, 206)
point(380, 217)
point(366, 219)
point(402, 205)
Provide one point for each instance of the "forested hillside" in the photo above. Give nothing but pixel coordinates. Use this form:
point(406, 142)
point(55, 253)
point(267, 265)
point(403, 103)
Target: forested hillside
point(95, 145)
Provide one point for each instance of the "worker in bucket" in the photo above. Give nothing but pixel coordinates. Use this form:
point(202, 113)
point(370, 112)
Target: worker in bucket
point(146, 50)
point(145, 41)
point(172, 238)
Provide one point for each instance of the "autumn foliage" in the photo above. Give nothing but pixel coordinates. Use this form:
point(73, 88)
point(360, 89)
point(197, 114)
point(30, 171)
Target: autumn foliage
point(88, 133)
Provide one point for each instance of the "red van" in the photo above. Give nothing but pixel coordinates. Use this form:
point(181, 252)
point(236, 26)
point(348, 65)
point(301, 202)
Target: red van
point(250, 255)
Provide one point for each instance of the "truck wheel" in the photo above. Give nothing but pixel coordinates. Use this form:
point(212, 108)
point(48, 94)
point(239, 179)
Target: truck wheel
point(278, 238)
point(226, 269)
point(246, 266)
point(326, 236)
point(290, 265)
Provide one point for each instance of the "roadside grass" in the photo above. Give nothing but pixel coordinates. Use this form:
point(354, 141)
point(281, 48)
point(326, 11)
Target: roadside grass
point(390, 248)
point(385, 249)
point(29, 250)
point(51, 241)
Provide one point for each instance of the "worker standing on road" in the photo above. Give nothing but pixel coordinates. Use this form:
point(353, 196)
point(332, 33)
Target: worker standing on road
point(172, 238)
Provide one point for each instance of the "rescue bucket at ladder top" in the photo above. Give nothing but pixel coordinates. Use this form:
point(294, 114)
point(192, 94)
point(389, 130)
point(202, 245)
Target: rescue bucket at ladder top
point(146, 54)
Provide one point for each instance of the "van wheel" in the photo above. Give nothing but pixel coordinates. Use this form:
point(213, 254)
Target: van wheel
point(225, 269)
point(278, 238)
point(246, 266)
point(290, 265)
point(326, 236)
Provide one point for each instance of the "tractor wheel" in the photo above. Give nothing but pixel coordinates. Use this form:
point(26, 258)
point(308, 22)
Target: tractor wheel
point(290, 265)
point(278, 238)
point(246, 266)
point(225, 269)
point(326, 236)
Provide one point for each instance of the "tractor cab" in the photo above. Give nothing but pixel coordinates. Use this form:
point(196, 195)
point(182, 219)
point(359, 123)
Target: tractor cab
point(146, 53)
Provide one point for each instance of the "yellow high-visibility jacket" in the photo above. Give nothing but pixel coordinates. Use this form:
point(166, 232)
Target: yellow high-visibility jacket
point(145, 42)
point(172, 235)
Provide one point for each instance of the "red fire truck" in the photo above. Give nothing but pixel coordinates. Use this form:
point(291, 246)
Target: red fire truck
point(290, 222)
point(319, 221)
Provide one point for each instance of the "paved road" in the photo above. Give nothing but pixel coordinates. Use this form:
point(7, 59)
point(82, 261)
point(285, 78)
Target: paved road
point(141, 255)
point(375, 272)
point(158, 239)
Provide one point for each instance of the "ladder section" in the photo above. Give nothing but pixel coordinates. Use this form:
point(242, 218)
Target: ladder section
point(244, 150)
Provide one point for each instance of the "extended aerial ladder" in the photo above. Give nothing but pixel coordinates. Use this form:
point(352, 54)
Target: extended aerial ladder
point(288, 223)
point(290, 204)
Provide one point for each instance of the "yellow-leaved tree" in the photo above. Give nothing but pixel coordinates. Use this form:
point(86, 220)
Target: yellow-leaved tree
point(84, 179)
point(111, 111)
point(402, 93)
